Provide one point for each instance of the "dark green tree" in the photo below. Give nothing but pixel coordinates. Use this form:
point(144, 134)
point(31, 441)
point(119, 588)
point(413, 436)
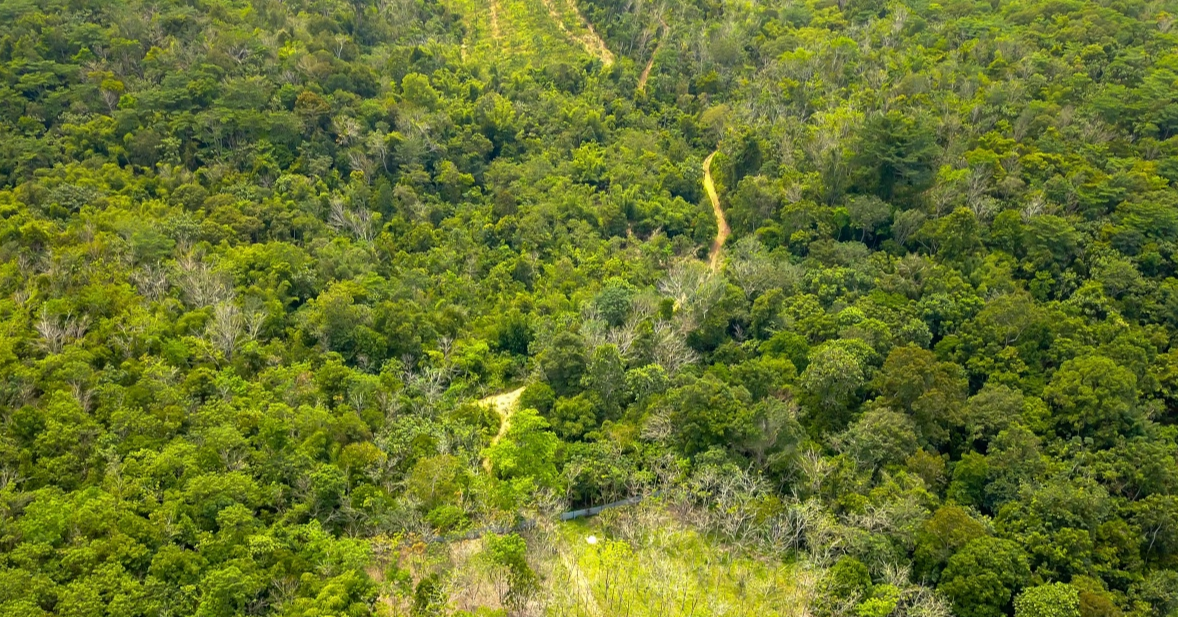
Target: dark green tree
point(894, 155)
point(982, 578)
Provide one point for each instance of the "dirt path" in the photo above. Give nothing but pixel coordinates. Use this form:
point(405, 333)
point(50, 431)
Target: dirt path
point(650, 63)
point(722, 230)
point(589, 40)
point(503, 404)
point(592, 41)
point(495, 19)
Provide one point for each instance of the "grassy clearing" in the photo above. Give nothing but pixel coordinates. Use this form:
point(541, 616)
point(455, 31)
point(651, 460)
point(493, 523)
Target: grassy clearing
point(640, 563)
point(670, 572)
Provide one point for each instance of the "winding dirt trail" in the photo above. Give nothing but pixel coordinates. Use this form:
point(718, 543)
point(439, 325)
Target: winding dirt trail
point(722, 229)
point(650, 63)
point(503, 404)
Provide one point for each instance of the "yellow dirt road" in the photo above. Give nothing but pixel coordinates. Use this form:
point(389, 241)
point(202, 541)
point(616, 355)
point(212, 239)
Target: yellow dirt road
point(722, 230)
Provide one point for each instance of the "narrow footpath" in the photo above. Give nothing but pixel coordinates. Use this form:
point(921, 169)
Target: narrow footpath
point(588, 39)
point(503, 404)
point(722, 230)
point(650, 63)
point(495, 34)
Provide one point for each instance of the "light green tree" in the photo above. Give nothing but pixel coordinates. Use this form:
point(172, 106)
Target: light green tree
point(526, 451)
point(1050, 600)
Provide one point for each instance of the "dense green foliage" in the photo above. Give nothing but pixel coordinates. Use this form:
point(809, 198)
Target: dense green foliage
point(258, 259)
